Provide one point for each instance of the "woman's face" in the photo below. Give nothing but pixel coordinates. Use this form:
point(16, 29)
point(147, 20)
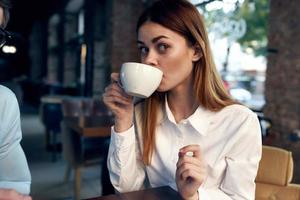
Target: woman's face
point(168, 51)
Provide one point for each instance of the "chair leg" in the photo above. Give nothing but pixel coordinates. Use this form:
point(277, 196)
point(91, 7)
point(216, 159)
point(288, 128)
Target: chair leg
point(48, 140)
point(54, 145)
point(77, 183)
point(67, 173)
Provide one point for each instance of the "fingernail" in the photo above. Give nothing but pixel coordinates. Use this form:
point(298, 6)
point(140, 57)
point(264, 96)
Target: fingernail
point(189, 153)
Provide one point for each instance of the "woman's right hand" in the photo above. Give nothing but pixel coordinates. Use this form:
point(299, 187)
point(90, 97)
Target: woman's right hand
point(120, 103)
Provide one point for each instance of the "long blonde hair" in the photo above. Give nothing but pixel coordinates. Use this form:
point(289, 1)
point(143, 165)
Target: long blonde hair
point(183, 17)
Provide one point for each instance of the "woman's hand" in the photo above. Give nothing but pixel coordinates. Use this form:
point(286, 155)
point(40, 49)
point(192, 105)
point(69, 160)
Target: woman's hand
point(191, 171)
point(120, 103)
point(10, 194)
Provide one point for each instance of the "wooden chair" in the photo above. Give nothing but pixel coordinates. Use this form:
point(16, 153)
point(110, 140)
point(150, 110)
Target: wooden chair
point(79, 151)
point(71, 107)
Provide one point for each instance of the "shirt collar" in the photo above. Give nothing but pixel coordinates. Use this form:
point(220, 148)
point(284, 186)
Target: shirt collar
point(200, 119)
point(169, 114)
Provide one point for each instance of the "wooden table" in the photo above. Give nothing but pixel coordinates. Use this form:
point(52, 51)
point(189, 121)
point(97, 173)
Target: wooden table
point(90, 126)
point(160, 193)
point(53, 98)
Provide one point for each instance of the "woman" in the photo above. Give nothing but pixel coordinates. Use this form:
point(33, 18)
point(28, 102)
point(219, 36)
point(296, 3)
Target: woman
point(189, 134)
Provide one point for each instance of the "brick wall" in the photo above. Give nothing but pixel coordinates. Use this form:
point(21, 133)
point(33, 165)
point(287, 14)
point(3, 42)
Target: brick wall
point(283, 70)
point(119, 42)
point(123, 36)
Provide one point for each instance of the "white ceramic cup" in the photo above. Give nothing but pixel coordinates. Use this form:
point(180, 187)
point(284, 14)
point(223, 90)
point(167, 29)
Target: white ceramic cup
point(140, 80)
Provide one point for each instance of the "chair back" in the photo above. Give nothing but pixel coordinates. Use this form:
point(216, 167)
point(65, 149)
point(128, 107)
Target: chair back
point(52, 115)
point(71, 107)
point(81, 106)
point(87, 107)
point(275, 167)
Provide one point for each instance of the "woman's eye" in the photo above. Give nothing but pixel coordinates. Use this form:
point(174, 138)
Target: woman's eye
point(162, 47)
point(143, 50)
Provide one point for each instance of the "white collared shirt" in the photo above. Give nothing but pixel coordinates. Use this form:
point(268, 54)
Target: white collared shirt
point(230, 142)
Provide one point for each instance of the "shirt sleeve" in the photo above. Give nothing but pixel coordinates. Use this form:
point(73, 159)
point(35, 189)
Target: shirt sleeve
point(242, 160)
point(14, 171)
point(124, 162)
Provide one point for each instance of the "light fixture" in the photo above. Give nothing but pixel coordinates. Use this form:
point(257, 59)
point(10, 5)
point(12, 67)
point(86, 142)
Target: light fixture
point(9, 49)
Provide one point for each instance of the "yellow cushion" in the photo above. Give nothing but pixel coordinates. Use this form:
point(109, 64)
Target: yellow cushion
point(275, 167)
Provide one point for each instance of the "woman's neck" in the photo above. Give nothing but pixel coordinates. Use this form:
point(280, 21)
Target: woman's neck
point(182, 102)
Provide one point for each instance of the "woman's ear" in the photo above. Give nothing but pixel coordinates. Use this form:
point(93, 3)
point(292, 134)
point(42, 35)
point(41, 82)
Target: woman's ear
point(197, 53)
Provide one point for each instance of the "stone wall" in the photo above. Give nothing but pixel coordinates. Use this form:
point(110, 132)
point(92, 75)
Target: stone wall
point(283, 70)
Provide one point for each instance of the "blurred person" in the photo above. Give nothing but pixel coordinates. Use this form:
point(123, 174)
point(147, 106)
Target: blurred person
point(15, 178)
point(189, 134)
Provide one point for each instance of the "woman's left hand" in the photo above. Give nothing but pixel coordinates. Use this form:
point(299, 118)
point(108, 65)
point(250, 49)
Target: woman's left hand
point(191, 171)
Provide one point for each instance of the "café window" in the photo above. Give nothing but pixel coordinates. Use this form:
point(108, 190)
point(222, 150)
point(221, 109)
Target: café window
point(238, 37)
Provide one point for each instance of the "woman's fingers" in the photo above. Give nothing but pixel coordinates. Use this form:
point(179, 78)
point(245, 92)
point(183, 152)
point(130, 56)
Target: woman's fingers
point(194, 148)
point(190, 154)
point(187, 159)
point(114, 92)
point(188, 166)
point(191, 163)
point(115, 86)
point(116, 99)
point(112, 100)
point(115, 77)
point(115, 95)
point(189, 170)
point(115, 108)
point(194, 175)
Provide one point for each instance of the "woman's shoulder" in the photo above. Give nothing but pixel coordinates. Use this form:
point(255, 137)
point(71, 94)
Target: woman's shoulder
point(237, 108)
point(236, 112)
point(237, 120)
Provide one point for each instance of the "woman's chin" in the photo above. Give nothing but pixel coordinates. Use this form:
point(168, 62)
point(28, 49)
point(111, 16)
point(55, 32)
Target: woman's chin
point(162, 87)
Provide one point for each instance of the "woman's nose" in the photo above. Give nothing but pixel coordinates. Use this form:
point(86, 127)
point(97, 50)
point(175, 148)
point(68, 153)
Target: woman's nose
point(150, 59)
